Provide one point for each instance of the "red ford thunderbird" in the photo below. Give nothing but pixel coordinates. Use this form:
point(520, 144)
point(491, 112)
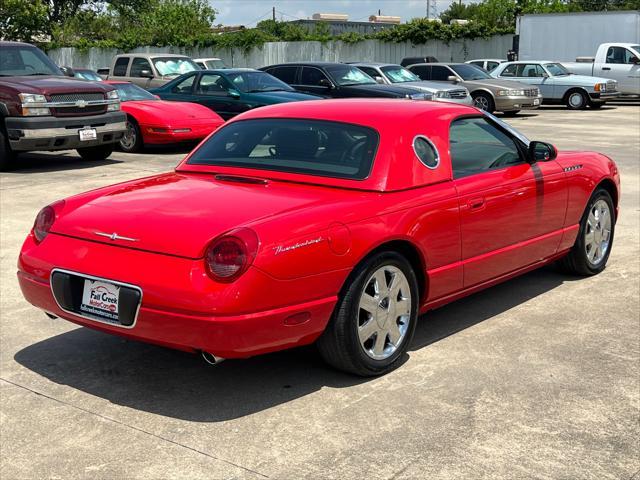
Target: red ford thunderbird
point(151, 121)
point(336, 222)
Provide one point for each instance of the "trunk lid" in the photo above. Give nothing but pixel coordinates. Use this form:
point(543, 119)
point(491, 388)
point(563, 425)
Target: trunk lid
point(179, 214)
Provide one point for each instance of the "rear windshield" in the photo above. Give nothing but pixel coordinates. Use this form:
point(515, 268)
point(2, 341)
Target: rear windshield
point(310, 147)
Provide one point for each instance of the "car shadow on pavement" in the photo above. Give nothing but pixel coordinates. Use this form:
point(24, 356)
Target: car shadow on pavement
point(180, 385)
point(58, 162)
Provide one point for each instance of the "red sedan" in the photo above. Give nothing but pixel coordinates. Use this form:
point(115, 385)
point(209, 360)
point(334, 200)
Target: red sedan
point(151, 121)
point(336, 222)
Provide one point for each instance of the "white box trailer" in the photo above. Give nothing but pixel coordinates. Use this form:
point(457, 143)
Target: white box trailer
point(566, 36)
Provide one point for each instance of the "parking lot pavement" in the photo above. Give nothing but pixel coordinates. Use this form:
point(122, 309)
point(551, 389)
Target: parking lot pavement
point(536, 378)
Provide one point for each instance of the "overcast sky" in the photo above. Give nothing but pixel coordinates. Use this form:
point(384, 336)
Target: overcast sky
point(249, 12)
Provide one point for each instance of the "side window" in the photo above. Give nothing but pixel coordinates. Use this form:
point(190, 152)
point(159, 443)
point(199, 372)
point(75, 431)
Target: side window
point(477, 146)
point(438, 72)
point(372, 72)
point(532, 70)
point(426, 152)
point(120, 68)
point(211, 84)
point(185, 85)
point(491, 66)
point(312, 76)
point(286, 74)
point(478, 63)
point(138, 65)
point(619, 55)
point(510, 70)
point(423, 71)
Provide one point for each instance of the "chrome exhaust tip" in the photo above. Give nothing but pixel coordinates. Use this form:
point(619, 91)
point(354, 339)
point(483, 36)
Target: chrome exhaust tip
point(210, 358)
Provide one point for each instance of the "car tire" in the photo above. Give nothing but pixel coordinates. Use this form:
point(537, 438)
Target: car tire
point(511, 113)
point(599, 216)
point(359, 336)
point(483, 101)
point(576, 100)
point(100, 152)
point(7, 156)
point(131, 141)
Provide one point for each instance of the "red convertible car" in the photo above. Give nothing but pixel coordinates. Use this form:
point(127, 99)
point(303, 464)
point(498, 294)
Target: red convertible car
point(151, 121)
point(336, 222)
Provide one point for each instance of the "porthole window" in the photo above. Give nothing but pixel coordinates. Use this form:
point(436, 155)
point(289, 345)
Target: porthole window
point(426, 152)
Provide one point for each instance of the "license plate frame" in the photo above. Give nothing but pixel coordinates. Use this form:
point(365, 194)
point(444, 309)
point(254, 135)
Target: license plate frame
point(87, 134)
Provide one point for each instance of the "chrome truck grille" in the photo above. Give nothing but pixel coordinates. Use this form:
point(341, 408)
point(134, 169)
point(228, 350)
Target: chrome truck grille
point(73, 104)
point(74, 97)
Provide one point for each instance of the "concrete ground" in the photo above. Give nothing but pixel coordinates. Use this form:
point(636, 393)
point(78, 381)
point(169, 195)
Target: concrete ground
point(536, 378)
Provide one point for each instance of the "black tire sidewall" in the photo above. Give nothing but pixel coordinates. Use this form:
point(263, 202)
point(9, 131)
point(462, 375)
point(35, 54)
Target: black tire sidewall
point(138, 143)
point(353, 293)
point(491, 104)
point(579, 247)
point(6, 154)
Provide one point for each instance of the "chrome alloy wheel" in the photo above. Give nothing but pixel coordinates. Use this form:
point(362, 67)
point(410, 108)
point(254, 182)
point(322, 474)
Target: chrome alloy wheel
point(597, 235)
point(130, 137)
point(481, 102)
point(384, 312)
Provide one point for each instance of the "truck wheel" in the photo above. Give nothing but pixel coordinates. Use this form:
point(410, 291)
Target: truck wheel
point(100, 152)
point(375, 318)
point(131, 141)
point(591, 251)
point(6, 154)
point(483, 101)
point(576, 100)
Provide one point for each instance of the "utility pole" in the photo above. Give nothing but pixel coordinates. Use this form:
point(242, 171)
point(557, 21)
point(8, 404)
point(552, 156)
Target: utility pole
point(273, 13)
point(431, 8)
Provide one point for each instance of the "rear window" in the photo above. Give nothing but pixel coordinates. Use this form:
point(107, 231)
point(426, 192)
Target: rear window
point(310, 147)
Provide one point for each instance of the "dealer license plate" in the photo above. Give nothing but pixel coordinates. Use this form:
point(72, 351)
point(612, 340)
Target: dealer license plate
point(87, 134)
point(100, 299)
point(536, 101)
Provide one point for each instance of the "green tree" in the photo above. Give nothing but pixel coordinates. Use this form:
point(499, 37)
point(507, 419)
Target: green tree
point(23, 20)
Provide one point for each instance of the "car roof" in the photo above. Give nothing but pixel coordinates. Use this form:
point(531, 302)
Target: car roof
point(8, 43)
point(374, 64)
point(153, 55)
point(305, 64)
point(204, 59)
point(227, 71)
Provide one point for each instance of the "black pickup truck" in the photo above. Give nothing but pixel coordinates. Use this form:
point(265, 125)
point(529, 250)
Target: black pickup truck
point(41, 109)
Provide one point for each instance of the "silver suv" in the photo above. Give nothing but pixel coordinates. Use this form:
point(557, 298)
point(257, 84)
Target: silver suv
point(150, 70)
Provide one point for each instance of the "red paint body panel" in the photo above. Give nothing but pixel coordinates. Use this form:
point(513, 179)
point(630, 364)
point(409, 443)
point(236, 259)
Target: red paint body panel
point(467, 233)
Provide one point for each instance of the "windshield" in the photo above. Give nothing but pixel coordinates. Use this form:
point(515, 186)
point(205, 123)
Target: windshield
point(87, 75)
point(347, 75)
point(470, 72)
point(556, 69)
point(129, 91)
point(508, 128)
point(398, 74)
point(174, 65)
point(25, 60)
point(257, 82)
point(310, 147)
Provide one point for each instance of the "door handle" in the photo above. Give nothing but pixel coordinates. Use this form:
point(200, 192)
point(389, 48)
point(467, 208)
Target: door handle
point(476, 203)
point(606, 68)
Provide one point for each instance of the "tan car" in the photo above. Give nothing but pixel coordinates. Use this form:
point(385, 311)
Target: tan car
point(488, 93)
point(150, 70)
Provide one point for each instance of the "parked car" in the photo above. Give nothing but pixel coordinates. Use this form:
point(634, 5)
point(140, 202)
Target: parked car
point(487, 64)
point(151, 121)
point(390, 74)
point(149, 70)
point(488, 93)
point(558, 85)
point(211, 63)
point(406, 61)
point(230, 91)
point(41, 109)
point(82, 74)
point(335, 222)
point(615, 61)
point(338, 80)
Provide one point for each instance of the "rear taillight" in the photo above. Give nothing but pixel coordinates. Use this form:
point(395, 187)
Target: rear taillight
point(230, 256)
point(44, 220)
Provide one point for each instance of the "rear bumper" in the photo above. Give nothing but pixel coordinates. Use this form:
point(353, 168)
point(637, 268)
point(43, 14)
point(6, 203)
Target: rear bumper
point(230, 336)
point(51, 133)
